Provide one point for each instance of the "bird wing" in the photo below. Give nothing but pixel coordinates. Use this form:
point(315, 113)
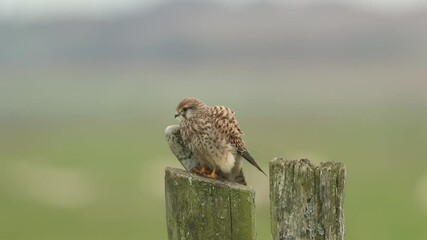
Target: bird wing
point(225, 122)
point(178, 148)
point(245, 154)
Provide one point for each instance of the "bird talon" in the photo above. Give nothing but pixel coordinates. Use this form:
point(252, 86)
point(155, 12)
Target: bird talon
point(202, 171)
point(212, 175)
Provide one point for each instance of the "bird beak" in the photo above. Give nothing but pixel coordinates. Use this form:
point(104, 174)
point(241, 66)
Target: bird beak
point(176, 115)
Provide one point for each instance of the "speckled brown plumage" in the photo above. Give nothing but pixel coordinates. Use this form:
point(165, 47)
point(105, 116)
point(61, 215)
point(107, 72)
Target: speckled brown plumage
point(186, 157)
point(213, 135)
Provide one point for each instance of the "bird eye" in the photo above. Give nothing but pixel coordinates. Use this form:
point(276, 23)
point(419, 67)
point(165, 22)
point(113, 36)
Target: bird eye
point(185, 109)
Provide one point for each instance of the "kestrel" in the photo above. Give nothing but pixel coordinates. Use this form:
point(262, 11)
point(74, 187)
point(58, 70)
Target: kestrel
point(185, 156)
point(212, 136)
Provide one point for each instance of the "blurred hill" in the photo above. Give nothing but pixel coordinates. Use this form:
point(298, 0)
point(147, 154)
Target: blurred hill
point(196, 32)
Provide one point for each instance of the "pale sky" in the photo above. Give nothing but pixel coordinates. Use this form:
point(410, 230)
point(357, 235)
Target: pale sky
point(52, 8)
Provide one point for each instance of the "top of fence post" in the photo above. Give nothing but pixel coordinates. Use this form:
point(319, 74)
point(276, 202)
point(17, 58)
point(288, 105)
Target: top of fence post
point(201, 208)
point(306, 201)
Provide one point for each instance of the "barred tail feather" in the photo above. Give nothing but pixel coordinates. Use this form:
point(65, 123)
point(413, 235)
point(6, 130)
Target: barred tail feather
point(240, 178)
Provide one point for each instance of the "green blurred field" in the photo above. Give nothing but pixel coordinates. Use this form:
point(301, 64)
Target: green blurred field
point(77, 175)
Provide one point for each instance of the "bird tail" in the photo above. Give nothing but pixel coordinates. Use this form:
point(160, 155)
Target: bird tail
point(251, 160)
point(240, 178)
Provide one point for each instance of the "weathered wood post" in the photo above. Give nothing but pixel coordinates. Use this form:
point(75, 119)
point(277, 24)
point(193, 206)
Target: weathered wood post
point(201, 208)
point(306, 201)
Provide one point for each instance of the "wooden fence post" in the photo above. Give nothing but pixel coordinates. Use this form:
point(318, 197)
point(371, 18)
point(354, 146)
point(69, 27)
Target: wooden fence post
point(306, 201)
point(201, 208)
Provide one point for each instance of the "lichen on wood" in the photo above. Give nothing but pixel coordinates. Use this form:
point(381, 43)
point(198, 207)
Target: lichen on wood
point(306, 201)
point(202, 208)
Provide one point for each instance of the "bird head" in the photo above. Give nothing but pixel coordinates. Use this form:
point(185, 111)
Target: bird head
point(187, 107)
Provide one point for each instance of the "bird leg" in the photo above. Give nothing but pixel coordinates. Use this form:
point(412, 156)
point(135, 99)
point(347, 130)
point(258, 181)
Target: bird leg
point(212, 175)
point(202, 171)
